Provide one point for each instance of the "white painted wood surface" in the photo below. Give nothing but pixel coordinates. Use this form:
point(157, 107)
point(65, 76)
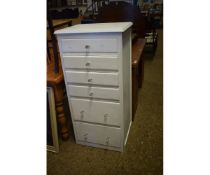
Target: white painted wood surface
point(105, 135)
point(102, 112)
point(94, 92)
point(96, 60)
point(89, 45)
point(96, 28)
point(97, 78)
point(91, 62)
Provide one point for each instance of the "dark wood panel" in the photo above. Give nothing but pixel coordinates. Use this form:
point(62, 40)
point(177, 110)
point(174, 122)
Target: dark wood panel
point(123, 12)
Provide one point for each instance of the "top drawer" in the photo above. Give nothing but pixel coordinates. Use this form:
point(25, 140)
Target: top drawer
point(89, 45)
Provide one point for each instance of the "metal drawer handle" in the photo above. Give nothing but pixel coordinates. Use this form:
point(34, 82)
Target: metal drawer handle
point(87, 64)
point(90, 80)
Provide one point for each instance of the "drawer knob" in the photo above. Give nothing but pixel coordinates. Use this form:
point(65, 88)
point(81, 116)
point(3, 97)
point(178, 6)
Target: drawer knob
point(87, 64)
point(90, 80)
point(106, 117)
point(85, 137)
point(82, 113)
point(107, 140)
point(87, 46)
point(91, 94)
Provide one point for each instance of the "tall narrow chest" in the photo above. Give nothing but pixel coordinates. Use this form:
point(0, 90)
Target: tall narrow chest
point(96, 62)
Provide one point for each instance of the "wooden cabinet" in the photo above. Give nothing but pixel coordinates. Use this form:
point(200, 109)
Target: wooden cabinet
point(96, 61)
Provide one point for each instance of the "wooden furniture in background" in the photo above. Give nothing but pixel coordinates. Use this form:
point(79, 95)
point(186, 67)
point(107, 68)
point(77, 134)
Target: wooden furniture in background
point(123, 12)
point(52, 39)
point(56, 81)
point(137, 71)
point(55, 77)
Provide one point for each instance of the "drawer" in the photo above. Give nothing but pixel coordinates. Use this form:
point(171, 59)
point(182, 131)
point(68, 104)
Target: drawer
point(98, 134)
point(94, 92)
point(96, 111)
point(89, 45)
point(95, 78)
point(91, 62)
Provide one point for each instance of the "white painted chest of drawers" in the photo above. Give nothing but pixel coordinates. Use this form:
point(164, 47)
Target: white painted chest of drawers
point(96, 61)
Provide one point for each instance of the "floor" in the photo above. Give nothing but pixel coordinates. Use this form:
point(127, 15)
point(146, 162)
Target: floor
point(143, 153)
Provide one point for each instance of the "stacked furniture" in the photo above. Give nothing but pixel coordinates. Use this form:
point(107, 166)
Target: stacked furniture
point(56, 81)
point(120, 11)
point(55, 77)
point(96, 61)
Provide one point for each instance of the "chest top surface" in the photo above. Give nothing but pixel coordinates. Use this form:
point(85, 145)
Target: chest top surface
point(95, 28)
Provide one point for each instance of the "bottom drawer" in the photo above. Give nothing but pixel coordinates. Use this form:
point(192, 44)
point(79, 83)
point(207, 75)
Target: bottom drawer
point(98, 134)
point(107, 113)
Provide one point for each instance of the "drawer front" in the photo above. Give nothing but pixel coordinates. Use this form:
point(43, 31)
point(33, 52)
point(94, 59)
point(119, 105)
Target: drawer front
point(93, 62)
point(98, 134)
point(96, 111)
point(92, 78)
point(94, 92)
point(89, 45)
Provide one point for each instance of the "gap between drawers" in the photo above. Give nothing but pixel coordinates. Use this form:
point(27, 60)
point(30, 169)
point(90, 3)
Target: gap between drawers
point(95, 99)
point(95, 123)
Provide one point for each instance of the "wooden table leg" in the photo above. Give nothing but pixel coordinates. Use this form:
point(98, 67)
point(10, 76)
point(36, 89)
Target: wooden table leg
point(61, 118)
